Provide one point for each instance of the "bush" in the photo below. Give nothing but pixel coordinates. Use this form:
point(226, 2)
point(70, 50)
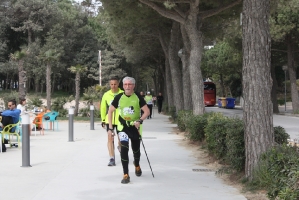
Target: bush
point(280, 135)
point(280, 102)
point(34, 102)
point(215, 133)
point(165, 108)
point(85, 112)
point(183, 116)
point(235, 144)
point(172, 112)
point(277, 172)
point(196, 126)
point(57, 105)
point(94, 93)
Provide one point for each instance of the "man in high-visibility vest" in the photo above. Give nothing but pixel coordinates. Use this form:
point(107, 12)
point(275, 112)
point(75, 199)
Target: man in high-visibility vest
point(106, 102)
point(129, 105)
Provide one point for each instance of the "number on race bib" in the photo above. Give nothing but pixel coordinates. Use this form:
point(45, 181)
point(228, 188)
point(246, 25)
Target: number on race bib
point(123, 136)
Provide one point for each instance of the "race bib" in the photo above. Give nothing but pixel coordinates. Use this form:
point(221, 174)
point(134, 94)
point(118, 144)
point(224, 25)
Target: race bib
point(123, 137)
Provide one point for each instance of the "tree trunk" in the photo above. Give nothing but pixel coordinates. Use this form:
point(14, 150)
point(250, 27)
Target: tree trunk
point(274, 89)
point(257, 82)
point(22, 79)
point(169, 86)
point(37, 84)
point(48, 79)
point(168, 96)
point(29, 36)
point(222, 86)
point(5, 82)
point(77, 98)
point(42, 87)
point(161, 79)
point(154, 76)
point(185, 70)
point(292, 75)
point(175, 70)
point(195, 37)
point(53, 84)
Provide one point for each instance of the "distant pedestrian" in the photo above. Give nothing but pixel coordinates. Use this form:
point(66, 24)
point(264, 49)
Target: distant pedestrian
point(149, 101)
point(154, 100)
point(21, 106)
point(160, 102)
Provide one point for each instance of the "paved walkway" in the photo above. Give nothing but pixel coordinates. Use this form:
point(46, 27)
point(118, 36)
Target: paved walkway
point(78, 170)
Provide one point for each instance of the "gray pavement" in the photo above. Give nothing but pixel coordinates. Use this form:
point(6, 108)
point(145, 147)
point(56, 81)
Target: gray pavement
point(63, 170)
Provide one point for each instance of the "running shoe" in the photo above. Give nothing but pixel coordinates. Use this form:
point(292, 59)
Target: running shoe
point(111, 162)
point(138, 171)
point(126, 179)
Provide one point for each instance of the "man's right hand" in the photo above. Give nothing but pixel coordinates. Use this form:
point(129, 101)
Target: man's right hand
point(103, 124)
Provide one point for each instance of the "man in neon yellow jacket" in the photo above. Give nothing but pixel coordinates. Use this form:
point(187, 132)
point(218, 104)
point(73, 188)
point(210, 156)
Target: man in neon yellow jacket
point(105, 103)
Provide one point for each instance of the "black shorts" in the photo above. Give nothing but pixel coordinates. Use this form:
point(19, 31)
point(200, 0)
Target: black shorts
point(131, 132)
point(114, 127)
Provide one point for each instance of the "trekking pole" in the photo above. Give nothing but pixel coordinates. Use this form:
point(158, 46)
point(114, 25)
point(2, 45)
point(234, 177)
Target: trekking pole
point(146, 156)
point(132, 123)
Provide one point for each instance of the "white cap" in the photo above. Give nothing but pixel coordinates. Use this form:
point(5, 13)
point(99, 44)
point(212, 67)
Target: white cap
point(148, 92)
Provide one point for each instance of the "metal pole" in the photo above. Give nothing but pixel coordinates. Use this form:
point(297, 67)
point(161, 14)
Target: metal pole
point(91, 117)
point(100, 70)
point(25, 140)
point(285, 90)
point(147, 156)
point(71, 124)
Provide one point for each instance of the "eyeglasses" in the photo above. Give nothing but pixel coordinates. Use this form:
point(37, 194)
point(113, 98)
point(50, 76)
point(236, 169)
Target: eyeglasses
point(129, 84)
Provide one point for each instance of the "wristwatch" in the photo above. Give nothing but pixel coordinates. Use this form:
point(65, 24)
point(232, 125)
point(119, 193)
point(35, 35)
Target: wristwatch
point(140, 121)
point(110, 129)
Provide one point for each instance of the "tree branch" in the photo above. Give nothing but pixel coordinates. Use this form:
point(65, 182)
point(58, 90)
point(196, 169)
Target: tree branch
point(163, 11)
point(179, 11)
point(209, 13)
point(163, 43)
point(172, 1)
point(279, 50)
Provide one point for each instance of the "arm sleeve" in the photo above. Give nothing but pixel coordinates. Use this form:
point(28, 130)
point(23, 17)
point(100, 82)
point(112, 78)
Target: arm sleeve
point(116, 100)
point(103, 108)
point(13, 113)
point(141, 100)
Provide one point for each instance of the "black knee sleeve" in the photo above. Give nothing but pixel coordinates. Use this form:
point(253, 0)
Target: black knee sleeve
point(124, 156)
point(136, 151)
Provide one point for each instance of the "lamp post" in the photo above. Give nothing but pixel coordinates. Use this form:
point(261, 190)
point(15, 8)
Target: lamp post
point(100, 67)
point(285, 68)
point(71, 124)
